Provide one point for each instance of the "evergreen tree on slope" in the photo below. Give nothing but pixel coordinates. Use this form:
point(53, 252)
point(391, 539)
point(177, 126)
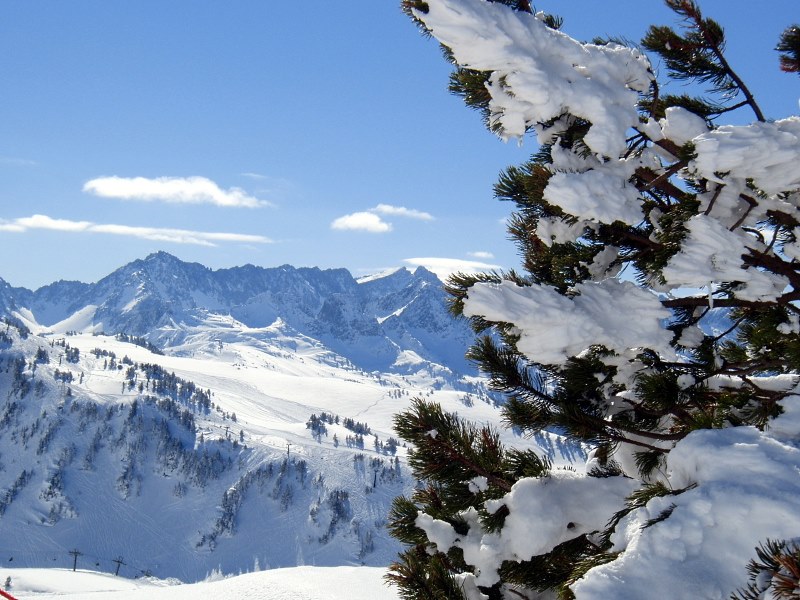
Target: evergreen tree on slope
point(694, 430)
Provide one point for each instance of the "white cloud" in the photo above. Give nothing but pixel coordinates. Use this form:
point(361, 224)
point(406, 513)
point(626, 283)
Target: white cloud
point(370, 220)
point(362, 221)
point(481, 254)
point(444, 267)
point(161, 234)
point(45, 222)
point(402, 211)
point(174, 190)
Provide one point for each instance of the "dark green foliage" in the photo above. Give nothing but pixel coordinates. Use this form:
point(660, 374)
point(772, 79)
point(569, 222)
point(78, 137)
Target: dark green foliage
point(638, 499)
point(789, 47)
point(449, 453)
point(692, 56)
point(139, 341)
point(471, 86)
point(756, 332)
point(8, 496)
point(164, 383)
point(72, 354)
point(657, 107)
point(697, 55)
point(42, 357)
point(419, 576)
point(776, 571)
point(12, 321)
point(454, 450)
point(555, 570)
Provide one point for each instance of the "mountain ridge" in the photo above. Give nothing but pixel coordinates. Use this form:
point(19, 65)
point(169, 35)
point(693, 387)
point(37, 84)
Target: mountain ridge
point(374, 322)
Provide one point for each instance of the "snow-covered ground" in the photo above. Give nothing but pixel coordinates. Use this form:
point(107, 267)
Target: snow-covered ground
point(273, 387)
point(299, 583)
point(84, 472)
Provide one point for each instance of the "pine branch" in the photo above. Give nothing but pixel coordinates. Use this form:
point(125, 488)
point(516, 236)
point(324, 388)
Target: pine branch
point(609, 397)
point(732, 107)
point(524, 5)
point(650, 180)
point(752, 368)
point(713, 37)
point(447, 449)
point(664, 176)
point(716, 48)
point(730, 329)
point(789, 47)
point(774, 264)
point(717, 191)
point(776, 572)
point(422, 577)
point(751, 205)
point(696, 301)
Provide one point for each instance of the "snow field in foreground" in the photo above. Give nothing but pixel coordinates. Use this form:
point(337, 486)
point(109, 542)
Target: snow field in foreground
point(299, 583)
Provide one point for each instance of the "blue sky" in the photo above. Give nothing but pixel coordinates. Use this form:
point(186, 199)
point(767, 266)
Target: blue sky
point(314, 134)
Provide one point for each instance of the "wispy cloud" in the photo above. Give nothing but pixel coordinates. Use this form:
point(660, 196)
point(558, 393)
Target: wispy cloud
point(256, 176)
point(160, 234)
point(444, 267)
point(362, 221)
point(275, 188)
point(17, 162)
point(401, 211)
point(173, 190)
point(481, 255)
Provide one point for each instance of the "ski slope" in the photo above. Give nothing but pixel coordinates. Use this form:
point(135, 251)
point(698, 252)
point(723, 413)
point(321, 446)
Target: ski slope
point(273, 388)
point(282, 497)
point(299, 583)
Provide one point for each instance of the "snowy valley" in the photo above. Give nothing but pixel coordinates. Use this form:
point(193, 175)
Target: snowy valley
point(177, 422)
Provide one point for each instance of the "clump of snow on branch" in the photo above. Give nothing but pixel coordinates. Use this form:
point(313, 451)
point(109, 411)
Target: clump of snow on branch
point(586, 193)
point(745, 486)
point(767, 153)
point(543, 513)
point(554, 327)
point(541, 74)
point(711, 252)
point(681, 126)
point(747, 489)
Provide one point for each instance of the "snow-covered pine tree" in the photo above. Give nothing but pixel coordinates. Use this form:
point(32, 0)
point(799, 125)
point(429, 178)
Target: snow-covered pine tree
point(655, 321)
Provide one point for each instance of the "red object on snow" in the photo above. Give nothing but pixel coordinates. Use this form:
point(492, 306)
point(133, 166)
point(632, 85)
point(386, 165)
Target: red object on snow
point(5, 594)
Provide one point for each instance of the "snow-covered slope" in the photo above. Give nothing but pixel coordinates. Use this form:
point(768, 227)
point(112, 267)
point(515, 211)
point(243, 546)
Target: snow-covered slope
point(300, 583)
point(203, 459)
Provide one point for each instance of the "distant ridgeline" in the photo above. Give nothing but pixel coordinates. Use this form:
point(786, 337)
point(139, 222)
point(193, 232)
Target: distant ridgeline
point(397, 322)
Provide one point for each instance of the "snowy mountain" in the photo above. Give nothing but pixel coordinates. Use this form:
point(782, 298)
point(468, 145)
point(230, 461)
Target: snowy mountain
point(258, 436)
point(392, 323)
